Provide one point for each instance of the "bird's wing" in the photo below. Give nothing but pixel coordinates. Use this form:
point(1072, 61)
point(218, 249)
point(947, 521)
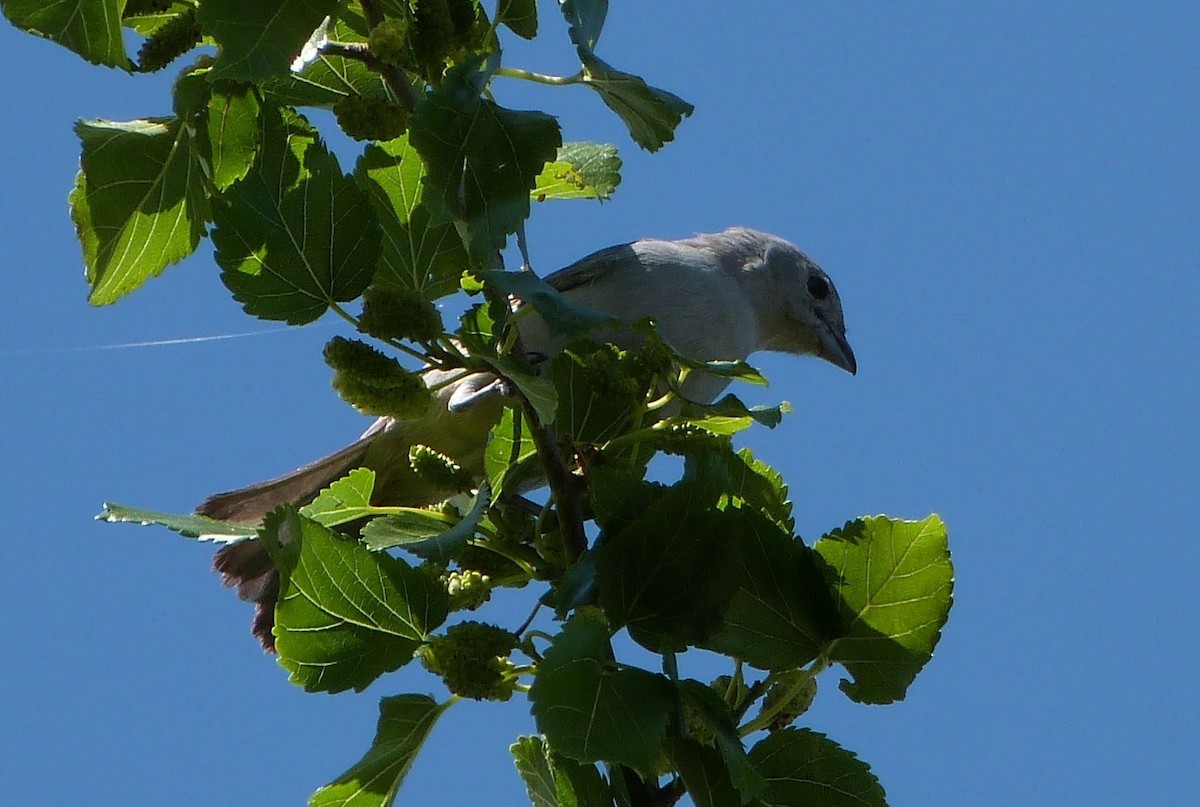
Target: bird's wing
point(589, 269)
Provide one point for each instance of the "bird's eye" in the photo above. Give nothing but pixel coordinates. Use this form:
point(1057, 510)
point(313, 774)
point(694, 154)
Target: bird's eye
point(818, 287)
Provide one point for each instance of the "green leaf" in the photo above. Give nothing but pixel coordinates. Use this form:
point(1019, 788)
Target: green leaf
point(708, 716)
point(782, 615)
point(324, 82)
point(520, 16)
point(704, 773)
point(259, 40)
point(348, 499)
point(755, 484)
point(589, 709)
point(201, 527)
point(405, 722)
point(346, 615)
point(585, 18)
point(91, 28)
point(538, 391)
point(894, 582)
point(417, 252)
point(730, 416)
point(482, 159)
point(532, 759)
point(669, 574)
point(511, 456)
point(555, 781)
point(580, 171)
point(736, 370)
point(428, 538)
point(597, 394)
point(806, 767)
point(650, 114)
point(562, 316)
point(295, 235)
point(620, 497)
point(232, 131)
point(148, 22)
point(145, 201)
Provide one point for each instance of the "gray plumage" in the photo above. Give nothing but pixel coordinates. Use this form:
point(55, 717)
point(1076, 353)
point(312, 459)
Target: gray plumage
point(722, 296)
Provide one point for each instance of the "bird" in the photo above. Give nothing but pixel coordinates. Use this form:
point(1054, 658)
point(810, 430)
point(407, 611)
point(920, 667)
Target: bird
point(715, 297)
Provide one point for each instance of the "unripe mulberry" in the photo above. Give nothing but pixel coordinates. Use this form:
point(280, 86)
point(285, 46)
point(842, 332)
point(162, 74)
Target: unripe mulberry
point(176, 37)
point(365, 118)
point(374, 383)
point(389, 42)
point(395, 312)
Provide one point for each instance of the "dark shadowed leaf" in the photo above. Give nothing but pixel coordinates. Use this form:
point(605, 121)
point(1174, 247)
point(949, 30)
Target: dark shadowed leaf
point(805, 767)
point(650, 114)
point(704, 773)
point(669, 574)
point(405, 722)
point(520, 16)
point(755, 484)
point(346, 615)
point(261, 39)
point(708, 715)
point(781, 615)
point(482, 159)
point(552, 780)
point(894, 582)
point(294, 235)
point(589, 709)
point(586, 19)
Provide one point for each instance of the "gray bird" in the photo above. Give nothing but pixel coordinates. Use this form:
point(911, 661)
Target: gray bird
point(721, 296)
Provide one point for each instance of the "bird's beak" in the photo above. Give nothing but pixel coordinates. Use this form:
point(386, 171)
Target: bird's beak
point(835, 349)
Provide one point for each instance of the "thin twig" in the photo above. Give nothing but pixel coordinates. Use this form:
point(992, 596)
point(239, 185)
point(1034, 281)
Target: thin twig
point(396, 79)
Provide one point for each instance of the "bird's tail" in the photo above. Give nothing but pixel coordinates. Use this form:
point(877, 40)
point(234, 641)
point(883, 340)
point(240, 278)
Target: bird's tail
point(246, 565)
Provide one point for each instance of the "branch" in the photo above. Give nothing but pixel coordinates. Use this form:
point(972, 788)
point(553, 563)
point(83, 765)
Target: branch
point(566, 488)
point(397, 81)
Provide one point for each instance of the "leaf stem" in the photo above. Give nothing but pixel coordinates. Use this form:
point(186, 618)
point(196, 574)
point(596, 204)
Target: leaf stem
point(540, 78)
point(397, 81)
point(353, 320)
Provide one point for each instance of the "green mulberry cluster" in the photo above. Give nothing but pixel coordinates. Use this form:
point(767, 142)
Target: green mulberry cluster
point(468, 589)
point(395, 312)
point(610, 371)
point(441, 472)
point(374, 383)
point(442, 28)
point(791, 694)
point(498, 569)
point(176, 37)
point(388, 42)
point(472, 660)
point(684, 438)
point(363, 117)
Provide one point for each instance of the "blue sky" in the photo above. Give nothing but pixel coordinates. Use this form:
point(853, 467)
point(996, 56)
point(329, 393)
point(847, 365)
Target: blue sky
point(1008, 200)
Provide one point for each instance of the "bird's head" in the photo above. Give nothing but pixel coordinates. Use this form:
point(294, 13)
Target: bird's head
point(799, 309)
